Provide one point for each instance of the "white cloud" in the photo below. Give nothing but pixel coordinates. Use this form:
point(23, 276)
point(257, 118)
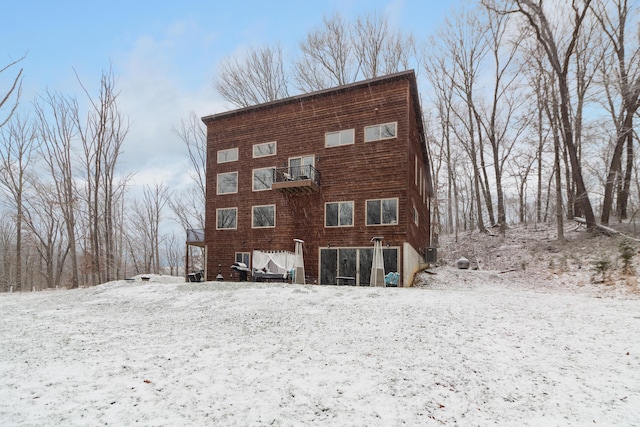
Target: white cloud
point(163, 79)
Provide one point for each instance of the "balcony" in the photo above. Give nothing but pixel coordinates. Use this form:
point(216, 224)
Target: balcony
point(296, 179)
point(195, 237)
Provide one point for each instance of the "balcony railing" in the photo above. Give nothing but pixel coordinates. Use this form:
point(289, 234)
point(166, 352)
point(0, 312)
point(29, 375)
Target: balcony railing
point(296, 179)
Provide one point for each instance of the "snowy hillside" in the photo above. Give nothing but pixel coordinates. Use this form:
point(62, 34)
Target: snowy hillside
point(480, 351)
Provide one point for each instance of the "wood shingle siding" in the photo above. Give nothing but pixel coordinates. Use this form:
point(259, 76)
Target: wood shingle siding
point(355, 172)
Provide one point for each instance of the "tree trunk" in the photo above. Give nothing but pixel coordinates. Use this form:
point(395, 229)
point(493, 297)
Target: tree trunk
point(614, 168)
point(559, 213)
point(623, 195)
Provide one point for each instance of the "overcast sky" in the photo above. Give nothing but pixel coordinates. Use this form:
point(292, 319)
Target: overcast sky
point(165, 55)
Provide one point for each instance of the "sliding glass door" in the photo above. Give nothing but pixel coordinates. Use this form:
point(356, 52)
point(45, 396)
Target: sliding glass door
point(353, 263)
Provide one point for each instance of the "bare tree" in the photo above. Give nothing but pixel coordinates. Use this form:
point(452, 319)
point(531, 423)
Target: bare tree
point(7, 247)
point(337, 53)
point(553, 115)
point(45, 221)
point(11, 97)
point(327, 57)
point(498, 118)
point(436, 65)
point(537, 82)
point(147, 217)
point(259, 77)
point(17, 151)
point(57, 128)
point(102, 134)
point(193, 134)
point(173, 254)
point(381, 49)
point(621, 80)
point(464, 42)
point(520, 168)
point(188, 205)
point(559, 53)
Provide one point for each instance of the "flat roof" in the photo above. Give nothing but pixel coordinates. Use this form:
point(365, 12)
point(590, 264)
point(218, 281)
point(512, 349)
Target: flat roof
point(403, 75)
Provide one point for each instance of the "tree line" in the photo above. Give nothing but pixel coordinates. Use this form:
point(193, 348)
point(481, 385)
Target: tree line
point(67, 218)
point(545, 93)
point(529, 107)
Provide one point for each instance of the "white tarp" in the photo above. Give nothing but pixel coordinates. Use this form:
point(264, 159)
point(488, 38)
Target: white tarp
point(273, 262)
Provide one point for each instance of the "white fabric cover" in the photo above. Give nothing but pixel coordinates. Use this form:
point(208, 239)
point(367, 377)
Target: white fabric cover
point(274, 262)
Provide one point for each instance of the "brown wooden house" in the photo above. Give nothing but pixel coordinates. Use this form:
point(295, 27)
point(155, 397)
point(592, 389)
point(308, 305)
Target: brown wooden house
point(334, 168)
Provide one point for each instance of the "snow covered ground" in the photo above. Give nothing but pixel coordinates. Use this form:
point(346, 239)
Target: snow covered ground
point(467, 348)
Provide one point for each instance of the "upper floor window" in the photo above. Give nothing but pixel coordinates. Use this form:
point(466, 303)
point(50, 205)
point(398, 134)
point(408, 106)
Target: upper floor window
point(338, 214)
point(264, 149)
point(382, 131)
point(262, 179)
point(226, 219)
point(343, 137)
point(227, 183)
point(229, 155)
point(416, 216)
point(264, 216)
point(382, 212)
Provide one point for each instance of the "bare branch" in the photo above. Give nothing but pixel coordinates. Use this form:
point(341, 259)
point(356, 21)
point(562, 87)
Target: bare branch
point(258, 78)
point(15, 89)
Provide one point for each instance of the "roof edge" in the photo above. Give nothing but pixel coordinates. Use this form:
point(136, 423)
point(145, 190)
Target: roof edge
point(407, 74)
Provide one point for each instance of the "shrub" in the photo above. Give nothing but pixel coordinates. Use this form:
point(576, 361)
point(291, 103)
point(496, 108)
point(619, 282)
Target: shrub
point(602, 266)
point(627, 252)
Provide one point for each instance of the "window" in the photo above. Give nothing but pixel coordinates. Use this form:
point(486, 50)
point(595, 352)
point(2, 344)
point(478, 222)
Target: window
point(382, 212)
point(244, 257)
point(264, 149)
point(353, 262)
point(226, 219)
point(378, 132)
point(262, 179)
point(339, 214)
point(226, 156)
point(228, 183)
point(343, 137)
point(424, 193)
point(299, 167)
point(264, 216)
point(416, 217)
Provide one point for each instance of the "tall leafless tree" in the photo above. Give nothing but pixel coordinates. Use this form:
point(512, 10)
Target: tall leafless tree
point(188, 206)
point(57, 128)
point(257, 78)
point(381, 49)
point(102, 134)
point(498, 116)
point(7, 259)
point(327, 57)
point(559, 52)
point(464, 42)
point(17, 152)
point(45, 222)
point(621, 80)
point(147, 216)
point(436, 64)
